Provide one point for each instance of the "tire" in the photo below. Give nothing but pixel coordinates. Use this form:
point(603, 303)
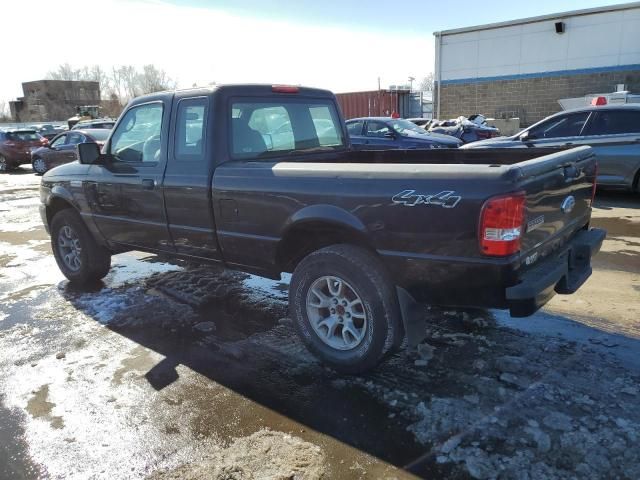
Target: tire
point(39, 166)
point(81, 259)
point(369, 323)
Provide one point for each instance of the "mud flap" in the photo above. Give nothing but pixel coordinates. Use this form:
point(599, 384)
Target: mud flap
point(413, 318)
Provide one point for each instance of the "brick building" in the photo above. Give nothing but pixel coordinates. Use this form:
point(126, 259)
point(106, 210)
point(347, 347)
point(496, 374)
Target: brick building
point(523, 67)
point(50, 100)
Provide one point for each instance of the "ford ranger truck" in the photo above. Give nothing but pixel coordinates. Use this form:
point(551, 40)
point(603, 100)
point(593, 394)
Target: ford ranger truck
point(262, 179)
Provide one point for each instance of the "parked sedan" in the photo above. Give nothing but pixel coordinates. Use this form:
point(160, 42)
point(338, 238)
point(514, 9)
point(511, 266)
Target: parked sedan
point(98, 123)
point(62, 148)
point(48, 130)
point(383, 133)
point(613, 131)
point(16, 146)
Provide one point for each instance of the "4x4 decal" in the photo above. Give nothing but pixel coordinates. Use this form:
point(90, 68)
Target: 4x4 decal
point(409, 198)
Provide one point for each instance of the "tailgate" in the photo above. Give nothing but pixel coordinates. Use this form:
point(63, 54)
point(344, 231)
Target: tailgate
point(559, 190)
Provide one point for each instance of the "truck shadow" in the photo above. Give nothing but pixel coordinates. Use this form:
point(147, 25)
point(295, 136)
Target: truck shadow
point(471, 380)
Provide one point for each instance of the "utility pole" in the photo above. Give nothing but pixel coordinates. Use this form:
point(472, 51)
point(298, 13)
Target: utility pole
point(411, 79)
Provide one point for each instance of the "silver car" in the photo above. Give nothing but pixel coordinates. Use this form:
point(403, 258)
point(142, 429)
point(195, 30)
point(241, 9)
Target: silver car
point(613, 131)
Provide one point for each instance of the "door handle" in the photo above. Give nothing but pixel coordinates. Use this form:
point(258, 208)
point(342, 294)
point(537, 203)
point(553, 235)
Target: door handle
point(148, 183)
point(568, 144)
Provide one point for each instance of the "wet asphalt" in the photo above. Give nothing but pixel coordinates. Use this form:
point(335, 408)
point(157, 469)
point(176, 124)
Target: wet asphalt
point(163, 366)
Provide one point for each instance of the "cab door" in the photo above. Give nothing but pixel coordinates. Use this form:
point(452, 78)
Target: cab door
point(125, 193)
point(187, 180)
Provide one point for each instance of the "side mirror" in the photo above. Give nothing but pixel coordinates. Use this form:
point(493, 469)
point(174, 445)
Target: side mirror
point(88, 153)
point(527, 137)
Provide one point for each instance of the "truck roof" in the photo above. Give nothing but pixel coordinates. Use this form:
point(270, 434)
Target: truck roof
point(238, 89)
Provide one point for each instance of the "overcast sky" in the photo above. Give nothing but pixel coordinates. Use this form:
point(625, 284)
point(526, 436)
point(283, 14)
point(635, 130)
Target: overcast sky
point(337, 44)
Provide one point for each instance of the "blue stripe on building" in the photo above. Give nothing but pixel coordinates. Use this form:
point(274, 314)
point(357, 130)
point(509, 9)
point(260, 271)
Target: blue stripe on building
point(556, 73)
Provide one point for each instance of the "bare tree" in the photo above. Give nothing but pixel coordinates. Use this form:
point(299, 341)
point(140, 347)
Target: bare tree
point(426, 84)
point(122, 82)
point(5, 111)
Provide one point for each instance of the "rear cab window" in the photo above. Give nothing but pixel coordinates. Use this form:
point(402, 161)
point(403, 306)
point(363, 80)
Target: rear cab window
point(263, 128)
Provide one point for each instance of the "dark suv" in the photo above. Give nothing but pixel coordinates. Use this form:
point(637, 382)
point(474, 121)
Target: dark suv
point(16, 147)
point(612, 131)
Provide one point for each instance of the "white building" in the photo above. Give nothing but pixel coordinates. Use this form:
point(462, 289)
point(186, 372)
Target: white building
point(523, 67)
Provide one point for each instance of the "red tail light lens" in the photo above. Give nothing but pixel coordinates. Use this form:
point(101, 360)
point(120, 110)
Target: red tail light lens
point(285, 89)
point(501, 225)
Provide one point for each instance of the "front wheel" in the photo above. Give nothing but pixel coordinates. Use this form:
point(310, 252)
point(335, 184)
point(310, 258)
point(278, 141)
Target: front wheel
point(344, 307)
point(77, 254)
point(39, 166)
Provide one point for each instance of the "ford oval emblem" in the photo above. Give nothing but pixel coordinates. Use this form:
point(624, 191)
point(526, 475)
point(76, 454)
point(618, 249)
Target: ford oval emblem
point(568, 204)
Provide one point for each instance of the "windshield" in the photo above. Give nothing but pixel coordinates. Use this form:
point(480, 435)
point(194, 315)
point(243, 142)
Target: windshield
point(403, 127)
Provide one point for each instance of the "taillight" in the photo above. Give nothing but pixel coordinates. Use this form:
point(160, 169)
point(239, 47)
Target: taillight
point(285, 89)
point(595, 184)
point(501, 224)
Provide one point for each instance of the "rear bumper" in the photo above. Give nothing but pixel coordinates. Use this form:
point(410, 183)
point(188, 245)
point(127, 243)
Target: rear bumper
point(563, 273)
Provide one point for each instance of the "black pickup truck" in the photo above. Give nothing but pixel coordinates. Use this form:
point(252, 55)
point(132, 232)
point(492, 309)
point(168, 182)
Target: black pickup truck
point(262, 179)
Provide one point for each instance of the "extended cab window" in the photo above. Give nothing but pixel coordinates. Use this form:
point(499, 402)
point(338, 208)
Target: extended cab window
point(137, 137)
point(190, 129)
point(263, 128)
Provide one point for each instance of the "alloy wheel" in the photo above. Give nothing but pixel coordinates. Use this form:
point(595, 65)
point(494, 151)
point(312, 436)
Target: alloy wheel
point(69, 248)
point(336, 313)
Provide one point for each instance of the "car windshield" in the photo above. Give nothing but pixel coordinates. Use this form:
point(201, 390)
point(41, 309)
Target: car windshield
point(403, 127)
point(23, 136)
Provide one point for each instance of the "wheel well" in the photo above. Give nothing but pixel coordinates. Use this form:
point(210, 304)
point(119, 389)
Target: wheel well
point(57, 204)
point(301, 240)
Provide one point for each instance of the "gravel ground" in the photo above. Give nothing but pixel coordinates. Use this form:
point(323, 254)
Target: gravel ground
point(181, 371)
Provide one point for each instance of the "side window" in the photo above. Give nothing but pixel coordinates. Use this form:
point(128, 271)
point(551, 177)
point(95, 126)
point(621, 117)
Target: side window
point(615, 122)
point(75, 138)
point(191, 127)
point(58, 142)
point(355, 128)
point(564, 126)
point(137, 137)
point(377, 129)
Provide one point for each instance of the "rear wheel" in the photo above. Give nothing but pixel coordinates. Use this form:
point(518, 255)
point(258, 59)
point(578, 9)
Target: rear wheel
point(77, 254)
point(345, 308)
point(39, 166)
